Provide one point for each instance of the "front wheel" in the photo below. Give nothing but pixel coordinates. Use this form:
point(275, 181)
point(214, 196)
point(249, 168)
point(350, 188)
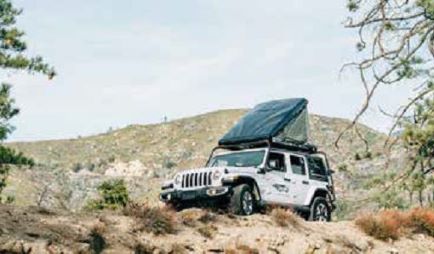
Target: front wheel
point(242, 200)
point(320, 210)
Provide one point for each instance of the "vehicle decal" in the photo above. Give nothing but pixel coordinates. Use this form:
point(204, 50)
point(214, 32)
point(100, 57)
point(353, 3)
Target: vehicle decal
point(281, 188)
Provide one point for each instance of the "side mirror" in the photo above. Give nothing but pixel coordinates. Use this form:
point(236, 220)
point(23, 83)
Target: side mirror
point(261, 170)
point(331, 171)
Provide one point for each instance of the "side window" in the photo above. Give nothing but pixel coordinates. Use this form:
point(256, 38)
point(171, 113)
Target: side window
point(297, 165)
point(276, 161)
point(317, 169)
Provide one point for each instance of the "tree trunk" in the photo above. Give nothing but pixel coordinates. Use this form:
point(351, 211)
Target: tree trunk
point(420, 198)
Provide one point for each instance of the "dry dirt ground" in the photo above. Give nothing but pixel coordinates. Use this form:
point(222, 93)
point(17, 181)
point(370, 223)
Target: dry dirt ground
point(36, 230)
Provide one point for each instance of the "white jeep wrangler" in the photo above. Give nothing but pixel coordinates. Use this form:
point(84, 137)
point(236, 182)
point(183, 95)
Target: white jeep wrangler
point(251, 178)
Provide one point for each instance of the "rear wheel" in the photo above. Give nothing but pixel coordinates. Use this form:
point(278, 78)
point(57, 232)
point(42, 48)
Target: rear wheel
point(320, 210)
point(242, 200)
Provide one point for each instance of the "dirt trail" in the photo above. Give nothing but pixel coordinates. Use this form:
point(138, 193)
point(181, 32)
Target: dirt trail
point(41, 231)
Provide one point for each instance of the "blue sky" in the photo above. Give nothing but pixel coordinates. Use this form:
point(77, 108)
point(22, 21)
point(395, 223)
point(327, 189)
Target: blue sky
point(135, 61)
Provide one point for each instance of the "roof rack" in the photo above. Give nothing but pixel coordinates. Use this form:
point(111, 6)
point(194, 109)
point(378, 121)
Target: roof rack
point(307, 148)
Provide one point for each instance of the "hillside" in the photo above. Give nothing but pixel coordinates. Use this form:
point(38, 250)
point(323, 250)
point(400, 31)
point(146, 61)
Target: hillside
point(185, 142)
point(69, 171)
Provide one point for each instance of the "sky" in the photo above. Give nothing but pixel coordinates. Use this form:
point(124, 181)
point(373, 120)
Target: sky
point(138, 61)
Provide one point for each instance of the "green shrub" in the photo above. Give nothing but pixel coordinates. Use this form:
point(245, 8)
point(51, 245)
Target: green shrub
point(357, 157)
point(168, 163)
point(114, 194)
point(111, 159)
point(10, 199)
point(344, 209)
point(77, 167)
point(368, 155)
point(391, 199)
point(90, 166)
point(343, 168)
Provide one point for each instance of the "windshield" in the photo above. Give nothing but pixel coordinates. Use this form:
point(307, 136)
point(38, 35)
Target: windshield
point(239, 159)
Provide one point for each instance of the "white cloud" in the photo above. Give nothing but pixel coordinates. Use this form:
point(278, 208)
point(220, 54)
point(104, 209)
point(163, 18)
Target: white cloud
point(123, 62)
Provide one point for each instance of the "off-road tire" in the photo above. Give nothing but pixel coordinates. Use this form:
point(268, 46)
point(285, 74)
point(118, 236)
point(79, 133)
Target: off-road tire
point(242, 200)
point(320, 210)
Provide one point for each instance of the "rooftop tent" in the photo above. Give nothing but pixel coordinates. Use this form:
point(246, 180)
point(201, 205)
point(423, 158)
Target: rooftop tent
point(284, 121)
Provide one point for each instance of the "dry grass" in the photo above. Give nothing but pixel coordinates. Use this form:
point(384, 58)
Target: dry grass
point(178, 249)
point(241, 249)
point(284, 217)
point(207, 231)
point(422, 221)
point(155, 220)
point(191, 217)
point(143, 248)
point(391, 224)
point(383, 226)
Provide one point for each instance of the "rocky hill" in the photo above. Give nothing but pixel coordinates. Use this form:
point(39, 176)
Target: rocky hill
point(69, 171)
point(47, 214)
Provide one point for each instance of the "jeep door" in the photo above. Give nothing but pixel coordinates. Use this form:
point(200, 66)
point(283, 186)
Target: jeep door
point(275, 188)
point(318, 172)
point(299, 179)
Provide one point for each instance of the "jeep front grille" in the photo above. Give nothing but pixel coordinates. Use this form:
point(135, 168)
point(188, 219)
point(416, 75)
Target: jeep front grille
point(191, 180)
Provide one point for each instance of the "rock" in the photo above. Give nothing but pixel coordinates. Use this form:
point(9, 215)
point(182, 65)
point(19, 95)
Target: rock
point(393, 251)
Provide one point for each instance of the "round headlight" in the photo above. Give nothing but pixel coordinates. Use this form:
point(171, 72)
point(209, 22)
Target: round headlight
point(216, 175)
point(178, 179)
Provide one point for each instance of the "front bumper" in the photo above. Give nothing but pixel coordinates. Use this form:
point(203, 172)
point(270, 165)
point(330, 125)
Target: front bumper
point(191, 195)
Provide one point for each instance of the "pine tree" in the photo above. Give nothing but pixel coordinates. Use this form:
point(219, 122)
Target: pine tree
point(13, 58)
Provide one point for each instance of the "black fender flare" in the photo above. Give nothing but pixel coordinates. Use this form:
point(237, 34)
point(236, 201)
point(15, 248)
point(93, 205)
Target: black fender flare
point(247, 180)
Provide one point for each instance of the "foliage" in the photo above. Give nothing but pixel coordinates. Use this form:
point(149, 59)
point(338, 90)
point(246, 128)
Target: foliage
point(392, 224)
point(168, 163)
point(13, 58)
point(391, 199)
point(76, 167)
point(343, 210)
point(418, 136)
point(368, 155)
point(114, 194)
point(10, 157)
point(357, 157)
point(395, 45)
point(343, 168)
point(155, 220)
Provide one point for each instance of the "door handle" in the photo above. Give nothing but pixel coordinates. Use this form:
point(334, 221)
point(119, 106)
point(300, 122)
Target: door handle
point(287, 179)
point(305, 182)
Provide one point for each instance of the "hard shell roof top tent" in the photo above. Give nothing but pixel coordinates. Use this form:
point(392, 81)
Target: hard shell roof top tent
point(281, 123)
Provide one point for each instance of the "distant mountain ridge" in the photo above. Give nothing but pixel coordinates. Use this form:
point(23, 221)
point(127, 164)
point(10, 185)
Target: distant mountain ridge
point(196, 134)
